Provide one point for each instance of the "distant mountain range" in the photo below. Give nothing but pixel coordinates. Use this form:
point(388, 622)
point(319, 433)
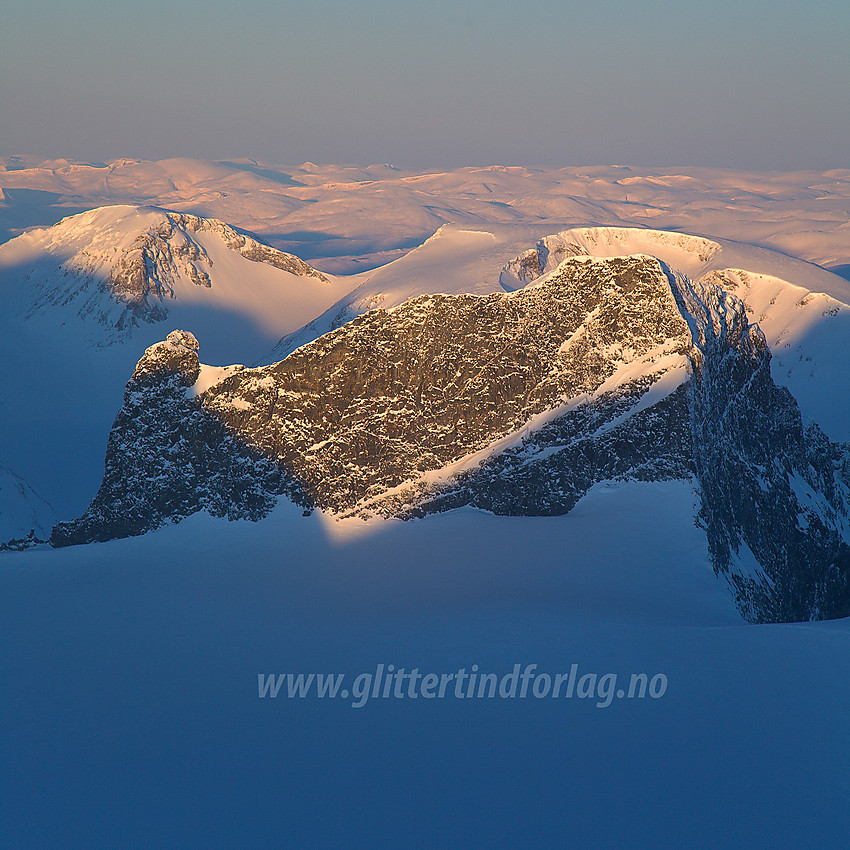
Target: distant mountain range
point(345, 219)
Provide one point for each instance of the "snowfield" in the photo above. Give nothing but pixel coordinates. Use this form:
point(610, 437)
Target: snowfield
point(130, 670)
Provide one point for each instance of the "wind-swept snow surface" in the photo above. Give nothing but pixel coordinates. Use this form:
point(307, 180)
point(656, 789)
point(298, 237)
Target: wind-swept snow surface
point(131, 674)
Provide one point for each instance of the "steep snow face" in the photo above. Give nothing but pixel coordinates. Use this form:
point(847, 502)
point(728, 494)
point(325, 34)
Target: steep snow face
point(807, 334)
point(776, 491)
point(116, 268)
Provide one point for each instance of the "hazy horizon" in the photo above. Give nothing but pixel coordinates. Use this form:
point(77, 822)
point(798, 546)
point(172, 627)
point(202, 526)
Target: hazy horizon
point(752, 85)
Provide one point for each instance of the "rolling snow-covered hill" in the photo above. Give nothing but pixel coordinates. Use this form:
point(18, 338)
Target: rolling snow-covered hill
point(350, 218)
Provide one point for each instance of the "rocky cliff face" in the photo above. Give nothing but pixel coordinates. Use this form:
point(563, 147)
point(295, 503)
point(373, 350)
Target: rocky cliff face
point(386, 398)
point(775, 495)
point(638, 431)
point(168, 458)
point(392, 395)
point(516, 403)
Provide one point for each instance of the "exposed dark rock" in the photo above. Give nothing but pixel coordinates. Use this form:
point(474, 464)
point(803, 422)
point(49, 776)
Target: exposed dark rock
point(613, 437)
point(531, 264)
point(516, 403)
point(167, 458)
point(376, 403)
point(774, 497)
point(19, 544)
point(393, 394)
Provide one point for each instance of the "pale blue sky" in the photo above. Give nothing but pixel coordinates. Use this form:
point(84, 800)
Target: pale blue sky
point(750, 84)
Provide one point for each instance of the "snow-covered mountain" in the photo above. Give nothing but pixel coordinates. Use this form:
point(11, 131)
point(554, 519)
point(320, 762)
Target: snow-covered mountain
point(116, 268)
point(517, 403)
point(800, 307)
point(353, 413)
point(390, 395)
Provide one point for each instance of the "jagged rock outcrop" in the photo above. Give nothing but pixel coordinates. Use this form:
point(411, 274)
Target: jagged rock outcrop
point(392, 395)
point(775, 494)
point(168, 458)
point(384, 399)
point(516, 403)
point(535, 262)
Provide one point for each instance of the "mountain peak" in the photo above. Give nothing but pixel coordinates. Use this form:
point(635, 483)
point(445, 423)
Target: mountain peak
point(517, 402)
point(119, 267)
